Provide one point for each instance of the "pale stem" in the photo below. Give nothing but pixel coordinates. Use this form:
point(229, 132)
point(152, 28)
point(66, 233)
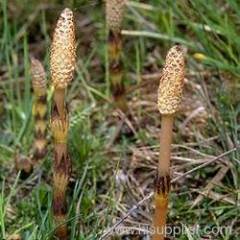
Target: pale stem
point(165, 144)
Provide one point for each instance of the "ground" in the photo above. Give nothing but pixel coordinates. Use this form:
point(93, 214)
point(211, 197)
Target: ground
point(112, 178)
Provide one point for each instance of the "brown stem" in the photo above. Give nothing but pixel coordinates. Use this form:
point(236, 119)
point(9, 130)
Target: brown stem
point(59, 95)
point(165, 144)
point(40, 117)
point(116, 70)
point(162, 184)
point(61, 174)
point(39, 112)
point(61, 171)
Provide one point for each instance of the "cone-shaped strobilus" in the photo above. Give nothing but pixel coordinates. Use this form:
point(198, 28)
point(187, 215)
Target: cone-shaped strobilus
point(62, 63)
point(114, 17)
point(169, 100)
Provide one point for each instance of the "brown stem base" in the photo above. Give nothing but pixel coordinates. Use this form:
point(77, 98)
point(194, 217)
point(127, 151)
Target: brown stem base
point(62, 231)
point(60, 182)
point(162, 189)
point(61, 175)
point(160, 215)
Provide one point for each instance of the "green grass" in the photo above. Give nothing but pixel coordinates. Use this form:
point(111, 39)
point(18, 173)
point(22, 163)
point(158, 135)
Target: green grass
point(96, 196)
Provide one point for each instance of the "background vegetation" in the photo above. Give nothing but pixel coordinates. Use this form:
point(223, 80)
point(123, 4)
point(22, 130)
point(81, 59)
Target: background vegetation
point(110, 177)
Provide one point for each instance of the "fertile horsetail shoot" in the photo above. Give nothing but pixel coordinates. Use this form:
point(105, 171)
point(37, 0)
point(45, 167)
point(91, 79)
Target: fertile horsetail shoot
point(62, 60)
point(114, 18)
point(169, 100)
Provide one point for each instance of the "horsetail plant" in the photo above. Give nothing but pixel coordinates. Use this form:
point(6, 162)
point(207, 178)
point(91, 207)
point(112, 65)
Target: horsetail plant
point(39, 109)
point(62, 63)
point(39, 112)
point(114, 17)
point(169, 99)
